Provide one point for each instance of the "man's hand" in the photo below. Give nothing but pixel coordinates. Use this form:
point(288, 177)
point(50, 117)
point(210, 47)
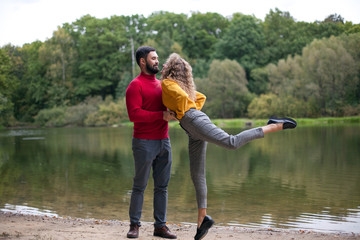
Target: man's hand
point(169, 115)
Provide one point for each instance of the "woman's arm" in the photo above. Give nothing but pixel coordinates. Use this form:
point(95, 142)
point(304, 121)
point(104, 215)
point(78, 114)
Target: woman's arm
point(174, 98)
point(200, 100)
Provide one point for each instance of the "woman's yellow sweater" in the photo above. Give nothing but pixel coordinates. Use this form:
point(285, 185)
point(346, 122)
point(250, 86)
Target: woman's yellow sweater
point(177, 100)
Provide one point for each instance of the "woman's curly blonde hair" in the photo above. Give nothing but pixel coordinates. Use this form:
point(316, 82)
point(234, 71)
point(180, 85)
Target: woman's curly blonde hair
point(179, 70)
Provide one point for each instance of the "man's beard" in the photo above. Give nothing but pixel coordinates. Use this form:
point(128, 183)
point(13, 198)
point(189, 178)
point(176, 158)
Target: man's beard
point(151, 69)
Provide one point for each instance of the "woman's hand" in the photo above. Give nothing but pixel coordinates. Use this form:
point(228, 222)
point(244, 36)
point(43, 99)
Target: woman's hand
point(169, 115)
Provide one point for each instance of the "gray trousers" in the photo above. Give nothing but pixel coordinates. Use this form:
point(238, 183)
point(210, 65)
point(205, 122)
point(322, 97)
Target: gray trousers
point(201, 130)
point(155, 154)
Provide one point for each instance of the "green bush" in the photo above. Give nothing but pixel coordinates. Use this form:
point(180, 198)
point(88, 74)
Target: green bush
point(270, 104)
point(53, 117)
point(76, 115)
point(91, 112)
point(351, 110)
point(109, 113)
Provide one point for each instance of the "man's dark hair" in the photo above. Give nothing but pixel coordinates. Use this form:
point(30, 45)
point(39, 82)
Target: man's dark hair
point(142, 52)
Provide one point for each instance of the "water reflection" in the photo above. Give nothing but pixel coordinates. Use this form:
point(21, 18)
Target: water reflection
point(302, 179)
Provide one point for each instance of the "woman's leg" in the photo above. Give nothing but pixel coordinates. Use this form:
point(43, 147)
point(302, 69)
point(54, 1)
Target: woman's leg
point(201, 215)
point(199, 126)
point(197, 156)
point(272, 128)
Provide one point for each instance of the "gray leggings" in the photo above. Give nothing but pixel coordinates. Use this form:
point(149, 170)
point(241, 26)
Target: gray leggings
point(201, 130)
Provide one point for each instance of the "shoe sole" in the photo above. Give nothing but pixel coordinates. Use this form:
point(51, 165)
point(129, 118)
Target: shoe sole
point(289, 125)
point(158, 235)
point(132, 236)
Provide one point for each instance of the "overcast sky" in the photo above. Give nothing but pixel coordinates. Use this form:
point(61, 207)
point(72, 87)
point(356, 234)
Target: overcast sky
point(24, 21)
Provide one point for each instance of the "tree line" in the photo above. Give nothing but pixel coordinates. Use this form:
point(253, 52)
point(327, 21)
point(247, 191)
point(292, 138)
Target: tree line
point(246, 67)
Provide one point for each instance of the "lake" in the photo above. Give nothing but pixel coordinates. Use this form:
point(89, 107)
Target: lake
point(307, 178)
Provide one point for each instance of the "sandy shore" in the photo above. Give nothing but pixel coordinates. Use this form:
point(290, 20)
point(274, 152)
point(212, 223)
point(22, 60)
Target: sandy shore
point(19, 226)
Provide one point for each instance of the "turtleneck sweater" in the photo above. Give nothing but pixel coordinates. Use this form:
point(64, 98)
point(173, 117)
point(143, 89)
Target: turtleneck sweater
point(145, 107)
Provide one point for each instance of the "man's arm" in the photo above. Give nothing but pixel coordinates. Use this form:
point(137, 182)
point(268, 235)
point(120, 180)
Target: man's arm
point(134, 107)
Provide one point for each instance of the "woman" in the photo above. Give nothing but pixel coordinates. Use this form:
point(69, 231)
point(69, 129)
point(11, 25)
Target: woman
point(180, 96)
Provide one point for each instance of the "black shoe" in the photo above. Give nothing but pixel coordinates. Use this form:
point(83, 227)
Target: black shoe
point(288, 122)
point(204, 228)
point(134, 231)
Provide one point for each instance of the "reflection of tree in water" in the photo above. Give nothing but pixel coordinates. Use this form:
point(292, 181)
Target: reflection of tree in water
point(88, 173)
point(287, 174)
point(73, 174)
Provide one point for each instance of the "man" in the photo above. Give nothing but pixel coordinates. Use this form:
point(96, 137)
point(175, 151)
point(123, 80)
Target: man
point(150, 143)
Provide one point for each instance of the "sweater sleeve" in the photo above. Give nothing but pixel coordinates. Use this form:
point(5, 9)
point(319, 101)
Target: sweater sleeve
point(134, 106)
point(200, 100)
point(174, 98)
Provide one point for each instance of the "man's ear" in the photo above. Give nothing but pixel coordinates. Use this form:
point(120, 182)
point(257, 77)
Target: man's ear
point(142, 61)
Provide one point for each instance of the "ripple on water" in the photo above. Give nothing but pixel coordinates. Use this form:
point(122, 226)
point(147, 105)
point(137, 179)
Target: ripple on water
point(27, 210)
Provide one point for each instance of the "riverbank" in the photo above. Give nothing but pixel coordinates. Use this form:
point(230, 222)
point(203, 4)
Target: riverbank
point(20, 226)
point(224, 123)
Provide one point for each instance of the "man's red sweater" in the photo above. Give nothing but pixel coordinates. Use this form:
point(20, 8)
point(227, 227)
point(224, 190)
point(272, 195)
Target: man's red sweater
point(145, 107)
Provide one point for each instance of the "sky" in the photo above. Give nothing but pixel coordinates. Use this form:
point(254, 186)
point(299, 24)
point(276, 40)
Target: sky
point(25, 21)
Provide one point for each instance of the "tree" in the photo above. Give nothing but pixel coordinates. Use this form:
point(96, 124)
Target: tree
point(333, 25)
point(165, 32)
point(123, 84)
point(285, 77)
point(164, 47)
point(351, 28)
point(103, 49)
point(225, 88)
point(259, 81)
point(279, 29)
point(31, 96)
point(203, 31)
point(243, 41)
point(334, 18)
point(58, 55)
point(200, 67)
point(136, 32)
point(8, 84)
point(95, 58)
point(351, 43)
point(334, 72)
point(174, 25)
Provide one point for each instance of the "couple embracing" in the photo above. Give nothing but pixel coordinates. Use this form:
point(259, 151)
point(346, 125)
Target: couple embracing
point(151, 103)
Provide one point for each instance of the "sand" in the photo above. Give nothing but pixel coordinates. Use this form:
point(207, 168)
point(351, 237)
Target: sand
point(20, 226)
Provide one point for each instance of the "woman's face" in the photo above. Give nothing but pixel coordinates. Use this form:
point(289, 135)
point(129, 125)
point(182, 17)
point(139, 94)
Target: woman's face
point(164, 68)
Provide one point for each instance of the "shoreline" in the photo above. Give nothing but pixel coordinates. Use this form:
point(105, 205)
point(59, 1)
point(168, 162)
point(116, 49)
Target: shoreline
point(26, 226)
point(225, 123)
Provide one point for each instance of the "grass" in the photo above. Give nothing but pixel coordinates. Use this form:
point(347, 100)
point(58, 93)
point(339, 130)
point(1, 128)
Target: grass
point(246, 123)
point(329, 121)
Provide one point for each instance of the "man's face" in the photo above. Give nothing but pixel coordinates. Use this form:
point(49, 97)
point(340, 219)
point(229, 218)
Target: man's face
point(152, 63)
